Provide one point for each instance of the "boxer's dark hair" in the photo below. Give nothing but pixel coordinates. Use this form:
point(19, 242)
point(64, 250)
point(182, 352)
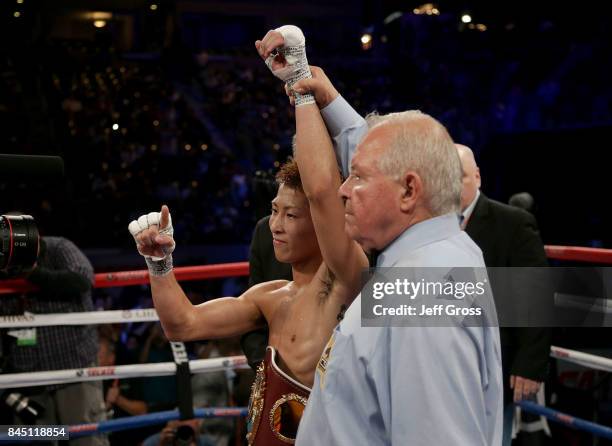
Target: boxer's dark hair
point(289, 175)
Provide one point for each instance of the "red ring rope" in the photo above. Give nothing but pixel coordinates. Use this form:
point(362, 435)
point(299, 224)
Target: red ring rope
point(183, 273)
point(138, 277)
point(579, 254)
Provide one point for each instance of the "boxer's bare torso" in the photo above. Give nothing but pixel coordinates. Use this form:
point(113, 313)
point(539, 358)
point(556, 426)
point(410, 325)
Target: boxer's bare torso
point(301, 314)
point(301, 319)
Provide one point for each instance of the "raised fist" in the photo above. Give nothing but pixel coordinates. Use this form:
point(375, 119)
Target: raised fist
point(153, 234)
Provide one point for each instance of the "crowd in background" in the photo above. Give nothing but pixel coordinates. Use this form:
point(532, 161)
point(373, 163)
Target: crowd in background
point(134, 134)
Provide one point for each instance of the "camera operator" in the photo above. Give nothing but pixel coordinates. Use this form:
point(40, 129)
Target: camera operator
point(180, 433)
point(64, 277)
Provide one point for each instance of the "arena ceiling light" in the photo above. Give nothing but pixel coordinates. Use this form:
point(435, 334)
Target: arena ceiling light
point(366, 41)
point(466, 18)
point(99, 15)
point(427, 9)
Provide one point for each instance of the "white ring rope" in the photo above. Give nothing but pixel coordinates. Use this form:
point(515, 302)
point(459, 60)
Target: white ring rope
point(583, 359)
point(28, 320)
point(13, 380)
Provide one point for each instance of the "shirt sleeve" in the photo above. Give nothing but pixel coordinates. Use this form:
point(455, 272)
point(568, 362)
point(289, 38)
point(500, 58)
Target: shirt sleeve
point(346, 127)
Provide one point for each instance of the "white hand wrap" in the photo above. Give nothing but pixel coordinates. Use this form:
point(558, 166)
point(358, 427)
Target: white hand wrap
point(294, 52)
point(158, 266)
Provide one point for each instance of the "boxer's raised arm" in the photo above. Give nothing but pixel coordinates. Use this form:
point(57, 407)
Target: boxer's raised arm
point(321, 179)
point(315, 156)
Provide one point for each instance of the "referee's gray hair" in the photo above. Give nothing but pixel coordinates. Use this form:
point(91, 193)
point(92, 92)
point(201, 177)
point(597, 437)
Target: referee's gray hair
point(421, 144)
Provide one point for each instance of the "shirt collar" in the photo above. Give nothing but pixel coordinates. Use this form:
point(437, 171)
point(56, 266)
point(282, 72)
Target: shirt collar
point(468, 210)
point(418, 235)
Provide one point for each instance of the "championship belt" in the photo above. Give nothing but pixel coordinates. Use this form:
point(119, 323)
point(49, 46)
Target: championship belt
point(276, 406)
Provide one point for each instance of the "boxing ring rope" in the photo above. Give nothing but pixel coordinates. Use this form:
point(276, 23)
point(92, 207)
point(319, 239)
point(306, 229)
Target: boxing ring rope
point(120, 424)
point(567, 420)
point(138, 277)
point(29, 379)
point(584, 359)
point(149, 315)
point(141, 276)
point(136, 421)
point(79, 318)
point(579, 254)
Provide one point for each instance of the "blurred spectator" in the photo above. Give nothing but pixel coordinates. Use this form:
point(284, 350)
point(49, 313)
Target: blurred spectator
point(524, 201)
point(64, 278)
point(211, 390)
point(160, 391)
point(180, 433)
point(124, 397)
point(127, 129)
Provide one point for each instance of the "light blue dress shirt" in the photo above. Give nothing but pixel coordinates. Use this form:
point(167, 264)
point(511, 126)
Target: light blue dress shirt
point(415, 386)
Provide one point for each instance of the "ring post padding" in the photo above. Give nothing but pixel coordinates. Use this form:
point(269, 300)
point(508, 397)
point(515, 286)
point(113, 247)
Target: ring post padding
point(183, 380)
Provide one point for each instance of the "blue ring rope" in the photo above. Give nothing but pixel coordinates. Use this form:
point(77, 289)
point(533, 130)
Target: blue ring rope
point(567, 420)
point(120, 424)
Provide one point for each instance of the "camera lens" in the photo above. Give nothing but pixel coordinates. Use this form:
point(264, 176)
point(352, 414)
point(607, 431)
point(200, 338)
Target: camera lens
point(184, 436)
point(18, 244)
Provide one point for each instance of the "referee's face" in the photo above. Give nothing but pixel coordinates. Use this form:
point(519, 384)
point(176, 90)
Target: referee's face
point(371, 198)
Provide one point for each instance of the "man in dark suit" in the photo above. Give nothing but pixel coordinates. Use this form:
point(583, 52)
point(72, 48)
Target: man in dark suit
point(263, 267)
point(508, 237)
